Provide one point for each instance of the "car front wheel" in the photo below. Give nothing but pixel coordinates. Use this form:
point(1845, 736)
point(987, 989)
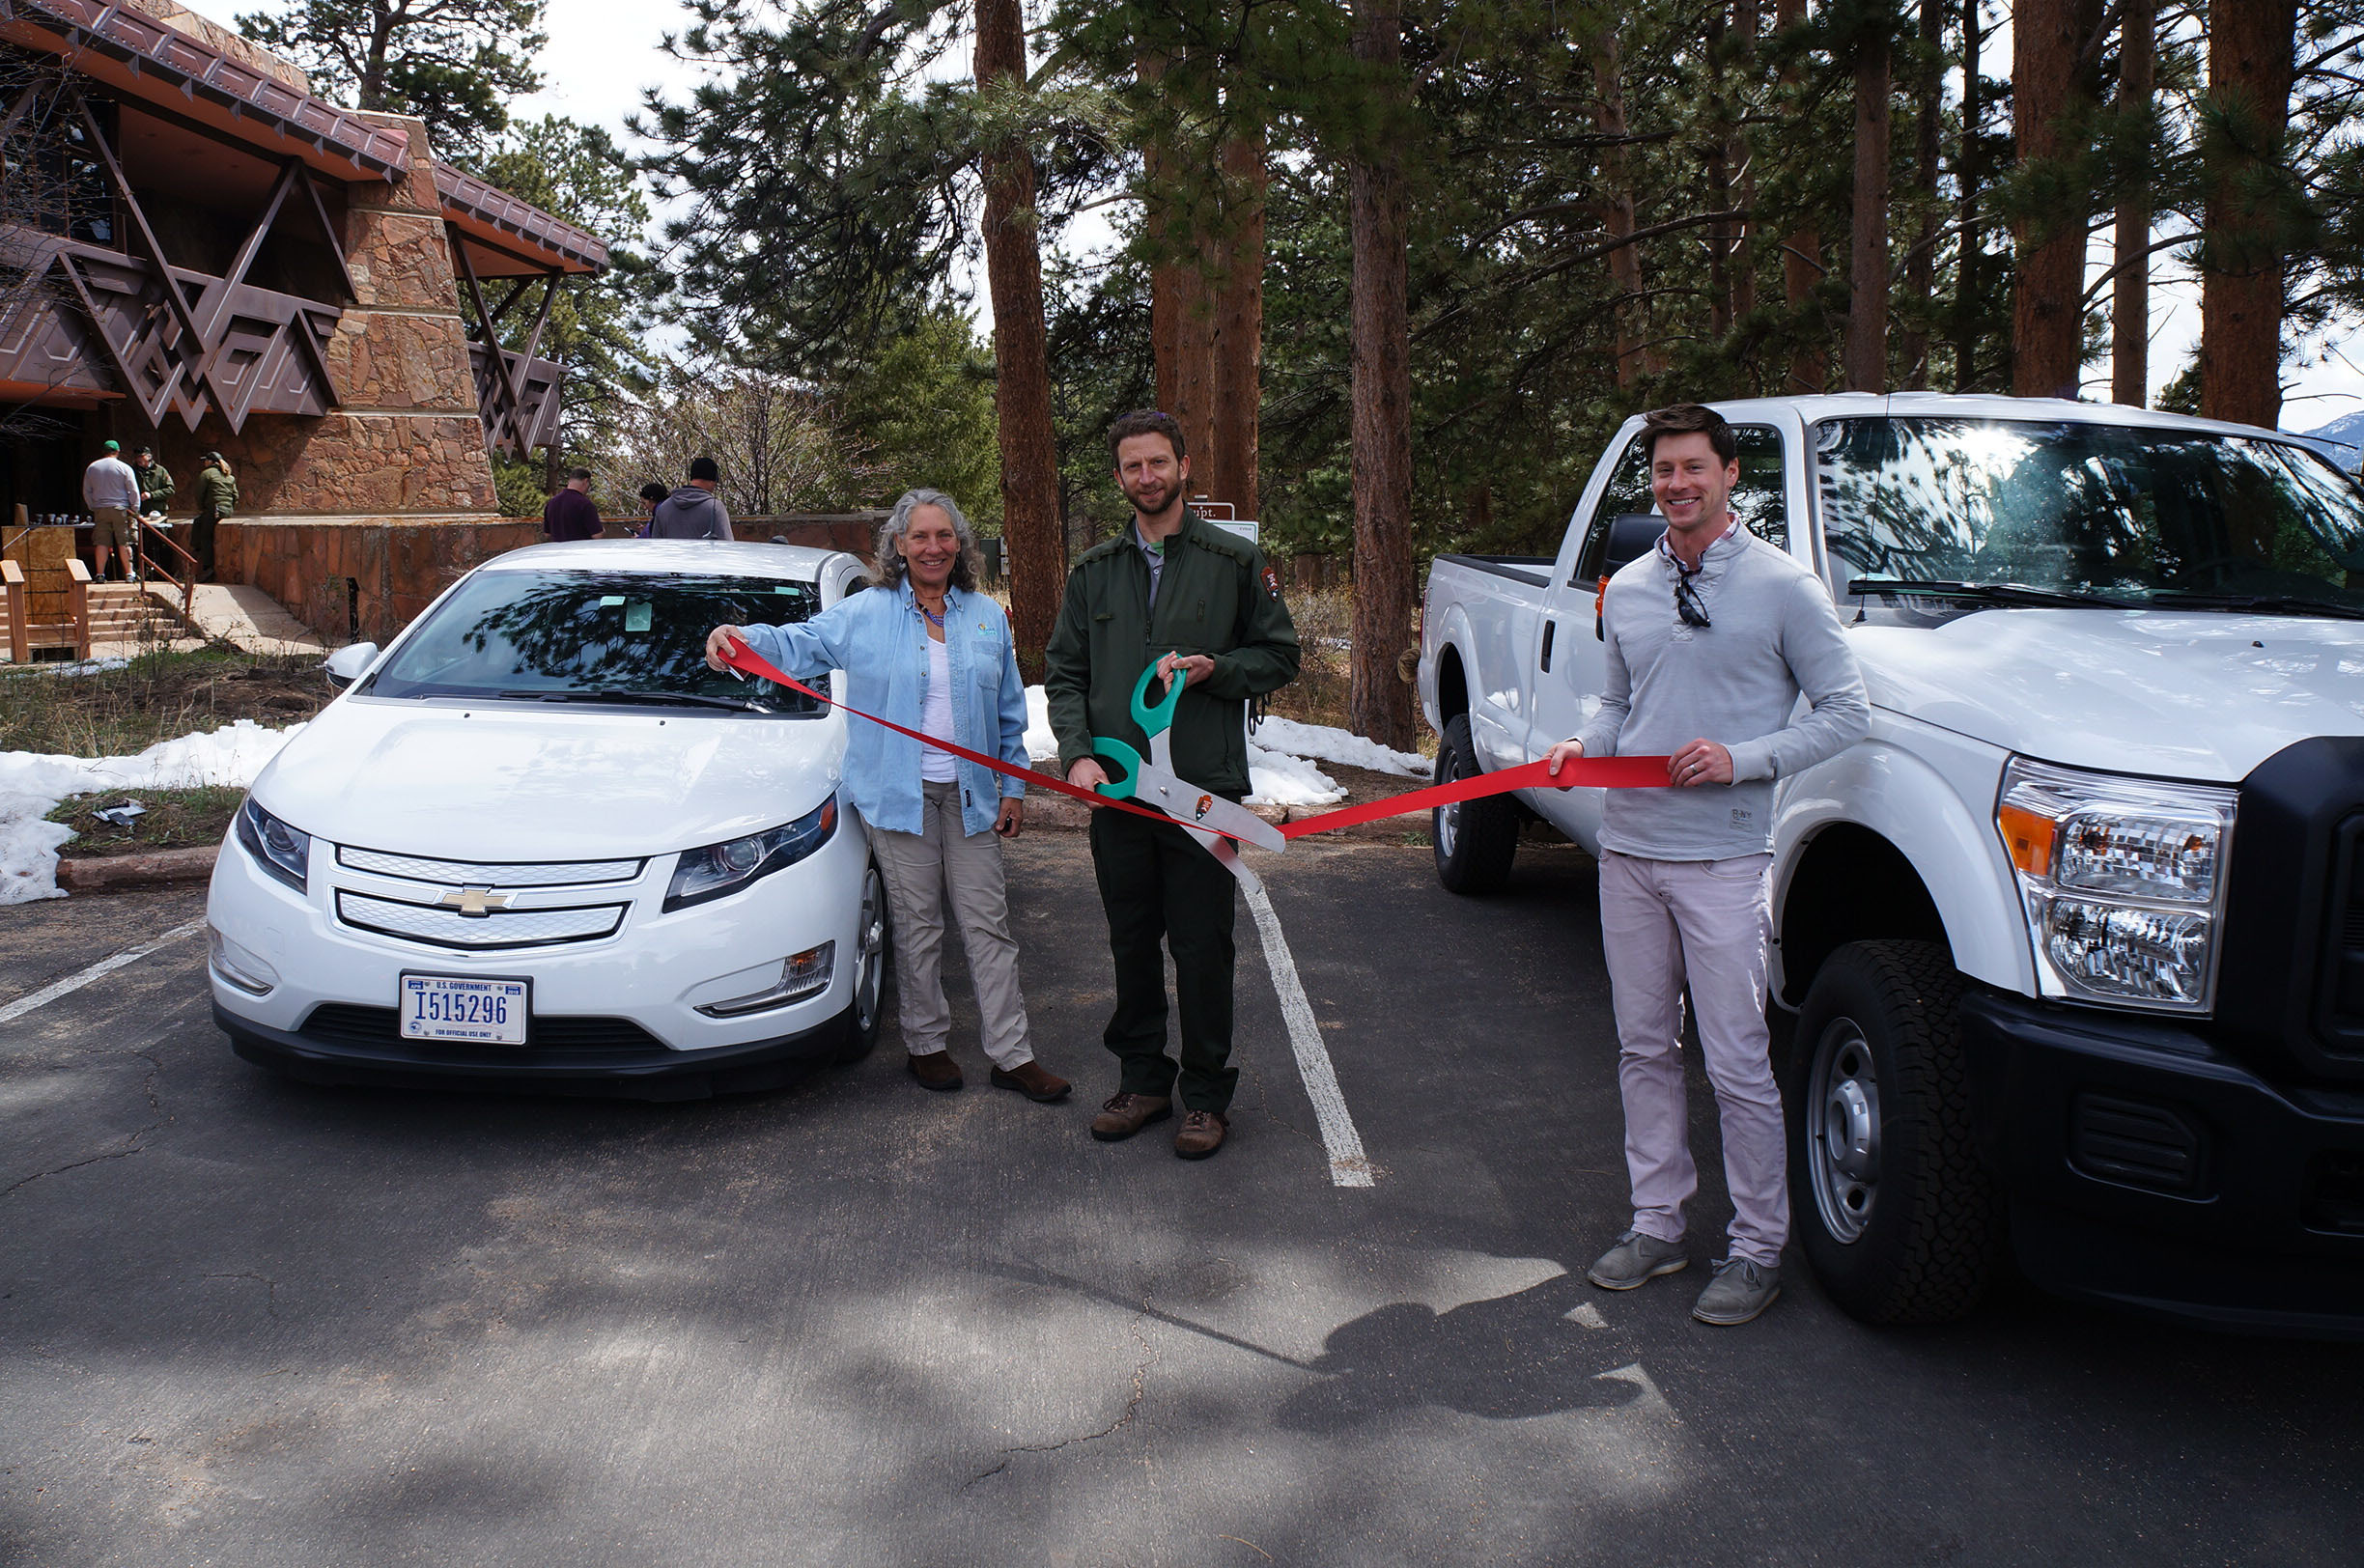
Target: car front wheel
point(1899, 1216)
point(863, 1019)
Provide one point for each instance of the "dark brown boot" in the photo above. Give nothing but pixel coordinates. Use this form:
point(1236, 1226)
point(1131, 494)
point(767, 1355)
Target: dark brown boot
point(1126, 1114)
point(936, 1069)
point(1201, 1135)
point(1030, 1080)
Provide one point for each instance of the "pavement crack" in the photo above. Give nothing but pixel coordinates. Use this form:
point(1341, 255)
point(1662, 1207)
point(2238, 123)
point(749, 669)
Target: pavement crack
point(1124, 1418)
point(270, 1289)
point(112, 1153)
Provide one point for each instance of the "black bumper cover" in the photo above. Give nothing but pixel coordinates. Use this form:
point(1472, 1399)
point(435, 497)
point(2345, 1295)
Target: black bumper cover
point(2263, 1236)
point(651, 1074)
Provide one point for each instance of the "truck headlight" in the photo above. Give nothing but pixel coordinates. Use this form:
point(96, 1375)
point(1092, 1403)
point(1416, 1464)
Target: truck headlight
point(2122, 881)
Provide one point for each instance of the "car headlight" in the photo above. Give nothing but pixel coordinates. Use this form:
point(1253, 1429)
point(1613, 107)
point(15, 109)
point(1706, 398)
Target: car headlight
point(720, 870)
point(284, 852)
point(2122, 881)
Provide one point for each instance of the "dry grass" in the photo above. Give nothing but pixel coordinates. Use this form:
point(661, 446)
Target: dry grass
point(156, 697)
point(175, 820)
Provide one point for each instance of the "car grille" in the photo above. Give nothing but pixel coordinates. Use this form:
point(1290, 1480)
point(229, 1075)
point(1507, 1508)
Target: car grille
point(343, 1024)
point(489, 874)
point(494, 929)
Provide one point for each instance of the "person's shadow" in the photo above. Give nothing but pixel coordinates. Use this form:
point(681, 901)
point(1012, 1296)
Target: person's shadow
point(1511, 1357)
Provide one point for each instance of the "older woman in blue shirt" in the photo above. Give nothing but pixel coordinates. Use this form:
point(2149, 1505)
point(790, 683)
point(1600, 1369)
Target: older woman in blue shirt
point(923, 647)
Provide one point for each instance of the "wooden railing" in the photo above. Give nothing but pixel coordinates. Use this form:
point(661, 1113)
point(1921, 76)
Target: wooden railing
point(13, 582)
point(152, 567)
point(25, 633)
point(78, 600)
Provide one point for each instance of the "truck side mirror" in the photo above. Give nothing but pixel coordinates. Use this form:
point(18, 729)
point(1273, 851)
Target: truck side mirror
point(349, 664)
point(1632, 535)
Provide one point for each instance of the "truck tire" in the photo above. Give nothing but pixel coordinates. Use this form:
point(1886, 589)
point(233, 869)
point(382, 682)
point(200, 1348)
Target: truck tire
point(1899, 1216)
point(1474, 839)
point(865, 1016)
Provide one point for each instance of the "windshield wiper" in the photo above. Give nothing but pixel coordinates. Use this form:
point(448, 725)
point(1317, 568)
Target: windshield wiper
point(668, 699)
point(2264, 603)
point(1986, 593)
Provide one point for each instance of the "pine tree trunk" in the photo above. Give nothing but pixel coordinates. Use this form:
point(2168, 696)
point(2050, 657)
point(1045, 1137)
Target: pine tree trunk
point(1718, 183)
point(1379, 703)
point(2251, 47)
point(1921, 263)
point(1181, 309)
point(1867, 337)
point(1969, 173)
point(1239, 328)
point(1634, 360)
point(2047, 294)
point(1746, 20)
point(1801, 254)
point(1031, 532)
point(2130, 288)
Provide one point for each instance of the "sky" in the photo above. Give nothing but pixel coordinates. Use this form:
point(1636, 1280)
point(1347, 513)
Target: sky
point(603, 53)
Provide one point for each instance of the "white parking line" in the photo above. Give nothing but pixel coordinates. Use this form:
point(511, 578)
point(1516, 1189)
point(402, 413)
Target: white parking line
point(106, 966)
point(1349, 1165)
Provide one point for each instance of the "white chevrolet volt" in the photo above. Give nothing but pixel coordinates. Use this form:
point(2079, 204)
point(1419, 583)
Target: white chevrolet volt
point(536, 842)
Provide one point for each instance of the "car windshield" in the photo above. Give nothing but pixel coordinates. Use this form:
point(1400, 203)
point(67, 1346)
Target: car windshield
point(2108, 512)
point(572, 636)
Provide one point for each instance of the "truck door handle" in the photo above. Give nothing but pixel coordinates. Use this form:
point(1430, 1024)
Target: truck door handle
point(1549, 629)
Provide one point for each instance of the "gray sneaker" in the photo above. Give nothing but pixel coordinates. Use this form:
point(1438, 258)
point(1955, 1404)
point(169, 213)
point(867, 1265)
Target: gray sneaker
point(1637, 1260)
point(1739, 1292)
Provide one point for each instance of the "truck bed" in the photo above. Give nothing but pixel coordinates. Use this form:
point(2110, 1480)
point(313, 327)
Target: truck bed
point(1535, 571)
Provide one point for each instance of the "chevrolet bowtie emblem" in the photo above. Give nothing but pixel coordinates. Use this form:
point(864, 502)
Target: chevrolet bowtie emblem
point(476, 903)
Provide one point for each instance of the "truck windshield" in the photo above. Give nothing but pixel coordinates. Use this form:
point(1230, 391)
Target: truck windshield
point(595, 636)
point(2147, 516)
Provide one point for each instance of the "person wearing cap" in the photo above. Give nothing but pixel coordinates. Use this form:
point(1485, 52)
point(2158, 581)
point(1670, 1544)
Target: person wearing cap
point(156, 481)
point(111, 491)
point(694, 510)
point(218, 496)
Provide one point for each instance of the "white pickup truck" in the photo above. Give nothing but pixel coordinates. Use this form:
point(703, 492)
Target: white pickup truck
point(2075, 938)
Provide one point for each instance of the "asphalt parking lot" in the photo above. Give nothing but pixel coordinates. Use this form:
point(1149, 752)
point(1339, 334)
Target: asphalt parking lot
point(248, 1321)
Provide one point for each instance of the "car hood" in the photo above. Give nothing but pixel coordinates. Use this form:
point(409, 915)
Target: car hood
point(498, 781)
point(2173, 694)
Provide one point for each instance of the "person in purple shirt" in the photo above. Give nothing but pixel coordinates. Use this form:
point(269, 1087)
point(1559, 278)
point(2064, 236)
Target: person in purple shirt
point(570, 515)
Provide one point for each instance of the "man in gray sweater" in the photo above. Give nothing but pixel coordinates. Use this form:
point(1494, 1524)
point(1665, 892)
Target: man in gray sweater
point(1713, 637)
point(694, 510)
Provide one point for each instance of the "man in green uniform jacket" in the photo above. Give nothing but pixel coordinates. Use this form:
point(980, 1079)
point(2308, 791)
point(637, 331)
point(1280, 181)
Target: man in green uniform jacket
point(1173, 590)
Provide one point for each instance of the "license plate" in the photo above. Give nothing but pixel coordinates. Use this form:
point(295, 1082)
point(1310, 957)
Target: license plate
point(450, 1007)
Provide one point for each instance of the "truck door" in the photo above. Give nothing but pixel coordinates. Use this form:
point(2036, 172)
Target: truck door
point(1570, 663)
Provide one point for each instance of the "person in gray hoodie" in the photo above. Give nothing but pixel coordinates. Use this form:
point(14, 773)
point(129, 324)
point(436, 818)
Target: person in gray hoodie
point(1712, 636)
point(694, 510)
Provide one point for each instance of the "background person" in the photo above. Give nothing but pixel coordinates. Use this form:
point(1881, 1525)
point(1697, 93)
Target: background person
point(651, 493)
point(569, 515)
point(156, 483)
point(1173, 582)
point(1714, 633)
point(923, 647)
point(110, 490)
point(694, 510)
point(217, 497)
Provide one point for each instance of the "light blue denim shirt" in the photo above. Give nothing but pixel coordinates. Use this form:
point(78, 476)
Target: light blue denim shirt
point(879, 637)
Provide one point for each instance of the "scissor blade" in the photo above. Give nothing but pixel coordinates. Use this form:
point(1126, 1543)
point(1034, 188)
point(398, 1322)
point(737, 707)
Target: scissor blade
point(1228, 853)
point(1192, 806)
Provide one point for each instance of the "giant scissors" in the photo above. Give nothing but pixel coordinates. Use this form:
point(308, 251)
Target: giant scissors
point(1205, 816)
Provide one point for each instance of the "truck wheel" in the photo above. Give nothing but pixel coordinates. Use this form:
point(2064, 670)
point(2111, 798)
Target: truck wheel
point(864, 1017)
point(1900, 1218)
point(1474, 839)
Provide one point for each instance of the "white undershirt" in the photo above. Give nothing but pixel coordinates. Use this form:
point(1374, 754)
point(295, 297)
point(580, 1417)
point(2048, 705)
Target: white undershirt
point(936, 718)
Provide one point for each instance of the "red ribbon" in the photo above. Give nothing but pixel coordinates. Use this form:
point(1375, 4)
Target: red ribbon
point(1597, 773)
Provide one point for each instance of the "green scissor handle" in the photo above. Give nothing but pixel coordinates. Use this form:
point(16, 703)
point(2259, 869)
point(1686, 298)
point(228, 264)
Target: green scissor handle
point(1118, 751)
point(1160, 717)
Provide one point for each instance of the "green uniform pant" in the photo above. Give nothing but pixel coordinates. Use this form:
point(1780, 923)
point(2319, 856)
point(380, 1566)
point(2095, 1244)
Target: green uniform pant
point(1155, 883)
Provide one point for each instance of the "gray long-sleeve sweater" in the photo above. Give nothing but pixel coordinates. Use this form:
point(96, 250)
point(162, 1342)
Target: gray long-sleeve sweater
point(1774, 635)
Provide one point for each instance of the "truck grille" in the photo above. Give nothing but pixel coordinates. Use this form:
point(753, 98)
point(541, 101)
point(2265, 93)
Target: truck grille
point(2135, 1142)
point(2344, 936)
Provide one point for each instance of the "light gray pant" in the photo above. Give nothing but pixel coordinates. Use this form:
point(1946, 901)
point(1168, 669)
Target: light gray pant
point(919, 869)
point(1709, 920)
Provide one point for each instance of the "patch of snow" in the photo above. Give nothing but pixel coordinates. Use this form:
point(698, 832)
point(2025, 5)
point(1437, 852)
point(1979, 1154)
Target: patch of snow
point(1276, 778)
point(1321, 743)
point(87, 666)
point(1041, 744)
point(33, 783)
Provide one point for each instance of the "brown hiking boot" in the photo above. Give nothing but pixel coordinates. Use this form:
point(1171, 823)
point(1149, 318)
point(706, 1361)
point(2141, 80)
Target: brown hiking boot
point(1201, 1135)
point(1126, 1114)
point(1030, 1080)
point(936, 1069)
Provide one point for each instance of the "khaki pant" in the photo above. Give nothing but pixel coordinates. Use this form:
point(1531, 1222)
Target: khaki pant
point(919, 869)
point(111, 525)
point(1664, 922)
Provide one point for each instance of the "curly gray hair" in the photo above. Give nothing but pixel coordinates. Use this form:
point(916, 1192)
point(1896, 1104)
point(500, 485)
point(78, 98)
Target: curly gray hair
point(891, 568)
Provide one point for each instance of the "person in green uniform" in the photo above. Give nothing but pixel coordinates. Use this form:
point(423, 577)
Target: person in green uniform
point(1200, 604)
point(156, 481)
point(217, 497)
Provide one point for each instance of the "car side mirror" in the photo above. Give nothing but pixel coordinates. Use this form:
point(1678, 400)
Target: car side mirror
point(349, 663)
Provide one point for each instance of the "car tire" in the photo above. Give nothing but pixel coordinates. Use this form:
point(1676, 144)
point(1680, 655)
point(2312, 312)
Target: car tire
point(1475, 840)
point(1897, 1213)
point(867, 1015)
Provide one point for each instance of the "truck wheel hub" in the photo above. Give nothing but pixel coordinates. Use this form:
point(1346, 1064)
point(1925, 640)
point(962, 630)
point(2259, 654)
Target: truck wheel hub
point(1846, 1153)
